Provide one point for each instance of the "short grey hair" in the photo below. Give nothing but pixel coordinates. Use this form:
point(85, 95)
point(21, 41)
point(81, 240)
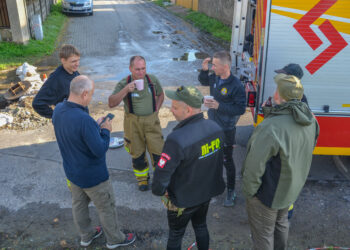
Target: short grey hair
point(136, 58)
point(224, 57)
point(80, 84)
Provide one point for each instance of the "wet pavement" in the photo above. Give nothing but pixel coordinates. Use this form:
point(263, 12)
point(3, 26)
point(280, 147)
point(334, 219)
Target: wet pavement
point(173, 49)
point(35, 204)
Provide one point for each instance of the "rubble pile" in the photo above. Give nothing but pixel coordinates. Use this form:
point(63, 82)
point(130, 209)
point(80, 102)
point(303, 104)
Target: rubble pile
point(19, 114)
point(24, 116)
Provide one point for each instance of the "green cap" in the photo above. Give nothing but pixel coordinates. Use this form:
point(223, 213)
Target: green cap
point(289, 87)
point(189, 95)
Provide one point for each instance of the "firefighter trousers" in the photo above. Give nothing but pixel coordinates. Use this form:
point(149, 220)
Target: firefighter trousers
point(141, 133)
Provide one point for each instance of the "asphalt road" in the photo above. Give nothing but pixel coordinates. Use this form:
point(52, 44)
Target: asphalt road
point(35, 204)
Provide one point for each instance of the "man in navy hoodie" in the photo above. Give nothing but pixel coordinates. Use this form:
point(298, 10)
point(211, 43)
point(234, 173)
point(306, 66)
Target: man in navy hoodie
point(56, 87)
point(83, 144)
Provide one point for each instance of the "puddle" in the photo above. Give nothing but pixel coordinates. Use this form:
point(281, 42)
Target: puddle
point(178, 32)
point(191, 56)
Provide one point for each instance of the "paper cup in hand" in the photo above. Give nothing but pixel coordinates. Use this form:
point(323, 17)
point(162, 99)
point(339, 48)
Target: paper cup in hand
point(139, 84)
point(208, 97)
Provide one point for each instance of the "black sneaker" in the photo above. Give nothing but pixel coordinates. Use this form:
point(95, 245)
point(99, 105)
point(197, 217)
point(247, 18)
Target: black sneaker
point(129, 239)
point(230, 198)
point(97, 234)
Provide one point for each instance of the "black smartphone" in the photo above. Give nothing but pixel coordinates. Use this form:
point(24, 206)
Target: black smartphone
point(110, 116)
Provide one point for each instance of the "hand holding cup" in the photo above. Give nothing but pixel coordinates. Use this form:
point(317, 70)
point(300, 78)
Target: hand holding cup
point(139, 84)
point(210, 102)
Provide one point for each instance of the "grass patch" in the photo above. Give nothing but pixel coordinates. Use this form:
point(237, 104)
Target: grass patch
point(13, 54)
point(209, 24)
point(161, 2)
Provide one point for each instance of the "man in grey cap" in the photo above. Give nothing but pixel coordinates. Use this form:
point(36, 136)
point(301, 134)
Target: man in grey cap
point(278, 160)
point(294, 70)
point(190, 170)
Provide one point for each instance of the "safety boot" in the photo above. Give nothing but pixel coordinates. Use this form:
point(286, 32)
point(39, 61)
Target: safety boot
point(230, 198)
point(143, 183)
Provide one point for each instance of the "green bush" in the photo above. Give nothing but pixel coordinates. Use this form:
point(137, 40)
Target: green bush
point(211, 25)
point(13, 54)
point(160, 2)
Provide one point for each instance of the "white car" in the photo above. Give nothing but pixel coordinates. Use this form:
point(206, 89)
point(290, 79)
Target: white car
point(78, 6)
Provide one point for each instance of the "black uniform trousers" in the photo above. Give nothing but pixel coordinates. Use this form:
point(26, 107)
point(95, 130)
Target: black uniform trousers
point(178, 224)
point(228, 159)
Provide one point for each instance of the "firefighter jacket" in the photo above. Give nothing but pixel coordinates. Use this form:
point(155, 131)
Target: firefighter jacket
point(191, 164)
point(230, 95)
point(279, 154)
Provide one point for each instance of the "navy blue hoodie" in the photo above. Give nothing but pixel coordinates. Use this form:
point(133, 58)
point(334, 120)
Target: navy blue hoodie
point(54, 90)
point(83, 144)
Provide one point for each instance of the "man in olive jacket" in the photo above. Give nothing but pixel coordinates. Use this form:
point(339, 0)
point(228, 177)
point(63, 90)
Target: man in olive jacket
point(277, 163)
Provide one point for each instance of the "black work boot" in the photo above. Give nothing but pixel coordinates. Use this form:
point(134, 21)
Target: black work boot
point(230, 198)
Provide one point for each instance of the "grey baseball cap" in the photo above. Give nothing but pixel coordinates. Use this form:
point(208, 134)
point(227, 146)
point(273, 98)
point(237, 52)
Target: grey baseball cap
point(292, 69)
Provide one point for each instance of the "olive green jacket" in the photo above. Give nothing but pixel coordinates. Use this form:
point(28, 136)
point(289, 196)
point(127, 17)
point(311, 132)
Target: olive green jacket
point(279, 154)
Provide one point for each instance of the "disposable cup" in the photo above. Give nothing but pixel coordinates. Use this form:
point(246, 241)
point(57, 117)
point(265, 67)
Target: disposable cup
point(208, 97)
point(139, 84)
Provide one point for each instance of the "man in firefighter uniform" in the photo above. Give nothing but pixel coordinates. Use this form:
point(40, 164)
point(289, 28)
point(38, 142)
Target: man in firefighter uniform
point(190, 170)
point(141, 123)
point(228, 103)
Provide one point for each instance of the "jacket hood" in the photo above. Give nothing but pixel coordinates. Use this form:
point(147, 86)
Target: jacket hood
point(299, 111)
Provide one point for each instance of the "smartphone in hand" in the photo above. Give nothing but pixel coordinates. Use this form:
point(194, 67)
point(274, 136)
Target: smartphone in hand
point(110, 116)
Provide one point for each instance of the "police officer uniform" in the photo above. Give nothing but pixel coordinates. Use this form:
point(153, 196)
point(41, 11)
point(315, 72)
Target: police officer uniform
point(190, 170)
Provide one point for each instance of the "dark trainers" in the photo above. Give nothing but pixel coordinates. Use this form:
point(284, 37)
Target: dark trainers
point(230, 198)
point(97, 234)
point(129, 239)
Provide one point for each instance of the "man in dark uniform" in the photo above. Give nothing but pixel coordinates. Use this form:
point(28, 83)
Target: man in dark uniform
point(228, 104)
point(56, 87)
point(189, 172)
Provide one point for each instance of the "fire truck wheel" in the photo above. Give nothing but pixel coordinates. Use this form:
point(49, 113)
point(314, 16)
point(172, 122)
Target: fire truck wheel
point(343, 165)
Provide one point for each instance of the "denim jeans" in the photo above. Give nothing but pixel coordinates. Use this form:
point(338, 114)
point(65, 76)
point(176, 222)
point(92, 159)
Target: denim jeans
point(178, 224)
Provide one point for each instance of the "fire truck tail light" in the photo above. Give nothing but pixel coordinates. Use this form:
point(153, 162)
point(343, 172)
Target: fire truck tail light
point(251, 98)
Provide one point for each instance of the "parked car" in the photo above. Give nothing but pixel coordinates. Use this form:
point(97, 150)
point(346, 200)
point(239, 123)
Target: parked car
point(78, 6)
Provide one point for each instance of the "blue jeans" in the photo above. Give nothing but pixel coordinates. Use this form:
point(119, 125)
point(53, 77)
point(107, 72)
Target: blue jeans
point(177, 226)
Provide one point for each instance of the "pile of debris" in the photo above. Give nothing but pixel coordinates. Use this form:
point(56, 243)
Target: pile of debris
point(19, 114)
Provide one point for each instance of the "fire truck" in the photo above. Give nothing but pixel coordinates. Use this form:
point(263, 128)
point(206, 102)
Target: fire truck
point(269, 34)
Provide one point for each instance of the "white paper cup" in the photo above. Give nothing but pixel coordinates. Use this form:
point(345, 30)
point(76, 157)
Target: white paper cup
point(139, 84)
point(208, 97)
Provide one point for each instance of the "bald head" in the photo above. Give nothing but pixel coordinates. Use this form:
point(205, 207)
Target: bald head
point(80, 84)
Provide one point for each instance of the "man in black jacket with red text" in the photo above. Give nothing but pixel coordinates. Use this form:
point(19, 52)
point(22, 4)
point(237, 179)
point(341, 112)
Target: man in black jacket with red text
point(189, 172)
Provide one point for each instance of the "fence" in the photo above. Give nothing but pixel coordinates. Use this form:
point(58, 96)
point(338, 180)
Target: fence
point(190, 4)
point(4, 16)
